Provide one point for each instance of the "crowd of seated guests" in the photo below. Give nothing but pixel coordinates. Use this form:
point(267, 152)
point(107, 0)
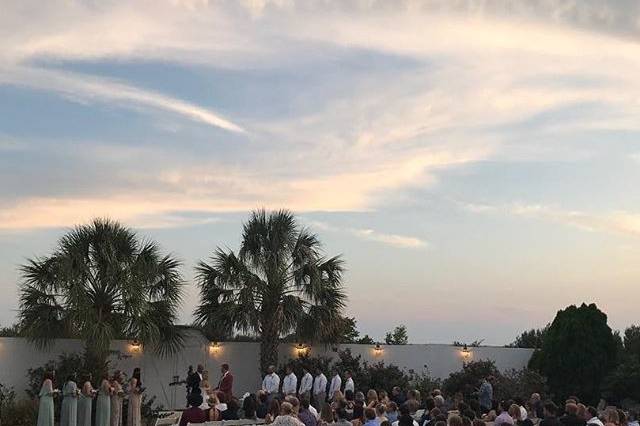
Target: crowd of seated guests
point(377, 408)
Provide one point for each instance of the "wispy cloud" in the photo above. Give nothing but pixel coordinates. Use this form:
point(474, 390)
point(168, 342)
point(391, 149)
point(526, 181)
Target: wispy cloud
point(394, 240)
point(85, 88)
point(619, 222)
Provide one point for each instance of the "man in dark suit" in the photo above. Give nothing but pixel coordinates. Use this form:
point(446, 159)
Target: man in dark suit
point(226, 381)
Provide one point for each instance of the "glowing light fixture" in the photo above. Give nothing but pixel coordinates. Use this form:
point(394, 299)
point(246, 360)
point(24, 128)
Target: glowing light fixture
point(377, 349)
point(465, 352)
point(135, 345)
point(301, 349)
point(214, 347)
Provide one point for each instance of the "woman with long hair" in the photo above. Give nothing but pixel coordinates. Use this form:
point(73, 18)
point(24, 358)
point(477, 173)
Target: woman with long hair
point(103, 403)
point(117, 395)
point(45, 408)
point(70, 394)
point(274, 411)
point(85, 401)
point(134, 416)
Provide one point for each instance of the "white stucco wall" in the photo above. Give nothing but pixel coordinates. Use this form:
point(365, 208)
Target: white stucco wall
point(17, 356)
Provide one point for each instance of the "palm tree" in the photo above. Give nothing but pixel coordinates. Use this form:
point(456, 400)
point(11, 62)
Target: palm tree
point(278, 283)
point(102, 282)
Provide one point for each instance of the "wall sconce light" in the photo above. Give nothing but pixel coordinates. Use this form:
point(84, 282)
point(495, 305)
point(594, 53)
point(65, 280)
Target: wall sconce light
point(301, 349)
point(377, 349)
point(214, 347)
point(465, 352)
point(135, 345)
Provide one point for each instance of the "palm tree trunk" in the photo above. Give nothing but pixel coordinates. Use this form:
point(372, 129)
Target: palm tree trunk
point(269, 347)
point(96, 361)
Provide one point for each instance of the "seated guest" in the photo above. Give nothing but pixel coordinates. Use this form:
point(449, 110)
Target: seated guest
point(611, 417)
point(516, 414)
point(249, 405)
point(383, 397)
point(341, 418)
point(193, 414)
point(372, 398)
point(263, 406)
point(549, 412)
point(392, 412)
point(380, 413)
point(455, 420)
point(440, 404)
point(593, 417)
point(370, 417)
point(305, 415)
point(413, 401)
point(295, 403)
point(504, 418)
point(536, 406)
point(570, 417)
point(286, 417)
point(273, 412)
point(326, 415)
point(430, 418)
point(583, 413)
point(405, 419)
point(429, 404)
point(231, 413)
point(397, 396)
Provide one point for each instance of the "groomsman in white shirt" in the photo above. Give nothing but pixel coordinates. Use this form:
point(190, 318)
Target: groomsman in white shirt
point(306, 384)
point(349, 385)
point(290, 382)
point(336, 384)
point(320, 389)
point(271, 383)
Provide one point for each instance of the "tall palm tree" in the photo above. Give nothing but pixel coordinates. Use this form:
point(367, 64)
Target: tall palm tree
point(278, 283)
point(102, 282)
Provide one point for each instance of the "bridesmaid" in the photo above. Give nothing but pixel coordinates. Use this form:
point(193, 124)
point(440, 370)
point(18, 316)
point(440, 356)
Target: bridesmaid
point(135, 398)
point(116, 399)
point(103, 404)
point(85, 402)
point(70, 392)
point(45, 409)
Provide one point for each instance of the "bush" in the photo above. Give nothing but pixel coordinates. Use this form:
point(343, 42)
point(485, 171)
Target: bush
point(16, 413)
point(519, 384)
point(467, 380)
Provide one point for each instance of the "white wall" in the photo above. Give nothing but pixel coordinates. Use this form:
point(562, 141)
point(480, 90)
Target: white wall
point(17, 356)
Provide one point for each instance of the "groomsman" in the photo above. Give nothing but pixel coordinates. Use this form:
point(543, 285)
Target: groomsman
point(336, 384)
point(306, 384)
point(349, 385)
point(226, 382)
point(320, 389)
point(290, 382)
point(271, 383)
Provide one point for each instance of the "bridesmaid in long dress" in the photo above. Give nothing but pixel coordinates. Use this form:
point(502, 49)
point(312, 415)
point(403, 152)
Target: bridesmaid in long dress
point(70, 393)
point(103, 403)
point(85, 402)
point(45, 409)
point(116, 399)
point(134, 417)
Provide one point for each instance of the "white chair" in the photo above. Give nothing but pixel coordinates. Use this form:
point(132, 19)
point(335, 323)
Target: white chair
point(170, 420)
point(238, 422)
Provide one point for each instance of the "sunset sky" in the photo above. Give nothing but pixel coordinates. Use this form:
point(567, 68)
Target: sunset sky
point(477, 163)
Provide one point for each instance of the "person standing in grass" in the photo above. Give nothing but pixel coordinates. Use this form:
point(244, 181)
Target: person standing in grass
point(117, 396)
point(70, 393)
point(85, 402)
point(45, 409)
point(103, 403)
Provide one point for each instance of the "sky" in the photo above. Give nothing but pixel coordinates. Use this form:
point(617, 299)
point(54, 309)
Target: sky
point(476, 163)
